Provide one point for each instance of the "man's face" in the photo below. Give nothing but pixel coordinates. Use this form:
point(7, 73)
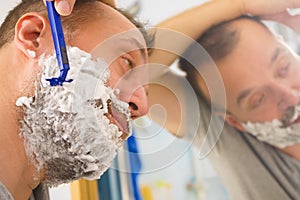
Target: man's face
point(74, 122)
point(261, 76)
point(123, 47)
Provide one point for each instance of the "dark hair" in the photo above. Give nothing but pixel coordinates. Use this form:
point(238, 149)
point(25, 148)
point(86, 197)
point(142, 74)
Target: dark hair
point(83, 12)
point(218, 42)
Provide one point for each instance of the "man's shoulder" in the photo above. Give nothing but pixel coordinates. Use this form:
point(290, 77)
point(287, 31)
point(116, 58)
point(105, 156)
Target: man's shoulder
point(4, 193)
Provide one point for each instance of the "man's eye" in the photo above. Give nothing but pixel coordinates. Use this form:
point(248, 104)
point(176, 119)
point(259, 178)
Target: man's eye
point(257, 101)
point(129, 63)
point(284, 70)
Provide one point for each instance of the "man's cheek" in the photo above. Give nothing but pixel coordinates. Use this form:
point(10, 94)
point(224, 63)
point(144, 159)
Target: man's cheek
point(70, 120)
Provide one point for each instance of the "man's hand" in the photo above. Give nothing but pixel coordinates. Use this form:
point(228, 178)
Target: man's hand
point(63, 7)
point(285, 18)
point(267, 7)
point(275, 10)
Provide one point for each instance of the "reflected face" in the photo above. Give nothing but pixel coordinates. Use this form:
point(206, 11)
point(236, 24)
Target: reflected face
point(261, 76)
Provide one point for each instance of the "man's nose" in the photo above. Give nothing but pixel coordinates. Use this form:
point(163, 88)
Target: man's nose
point(287, 97)
point(138, 103)
point(137, 100)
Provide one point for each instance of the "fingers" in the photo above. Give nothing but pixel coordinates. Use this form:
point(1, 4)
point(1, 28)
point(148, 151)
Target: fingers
point(260, 7)
point(292, 21)
point(63, 7)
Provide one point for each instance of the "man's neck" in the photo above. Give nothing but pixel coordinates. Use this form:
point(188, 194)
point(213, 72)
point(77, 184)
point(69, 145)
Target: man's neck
point(16, 172)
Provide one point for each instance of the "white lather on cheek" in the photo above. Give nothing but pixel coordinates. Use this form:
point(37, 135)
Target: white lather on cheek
point(65, 122)
point(31, 53)
point(274, 133)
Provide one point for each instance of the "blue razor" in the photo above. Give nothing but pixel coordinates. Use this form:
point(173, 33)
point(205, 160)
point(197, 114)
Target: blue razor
point(59, 44)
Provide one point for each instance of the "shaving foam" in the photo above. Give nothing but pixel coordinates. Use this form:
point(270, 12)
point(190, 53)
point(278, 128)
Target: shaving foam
point(64, 128)
point(275, 133)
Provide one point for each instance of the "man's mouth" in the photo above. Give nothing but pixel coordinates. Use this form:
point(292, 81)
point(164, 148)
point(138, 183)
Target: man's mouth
point(292, 117)
point(118, 116)
point(297, 120)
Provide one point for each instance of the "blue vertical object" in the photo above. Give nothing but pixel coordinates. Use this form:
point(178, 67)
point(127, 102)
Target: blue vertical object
point(109, 186)
point(135, 165)
point(59, 44)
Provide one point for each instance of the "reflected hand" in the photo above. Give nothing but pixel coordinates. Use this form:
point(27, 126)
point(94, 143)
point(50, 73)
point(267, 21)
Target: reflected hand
point(269, 7)
point(285, 18)
point(275, 10)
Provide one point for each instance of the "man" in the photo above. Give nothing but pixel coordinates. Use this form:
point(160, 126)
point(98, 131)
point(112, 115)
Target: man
point(25, 40)
point(259, 100)
point(260, 78)
point(26, 35)
point(250, 169)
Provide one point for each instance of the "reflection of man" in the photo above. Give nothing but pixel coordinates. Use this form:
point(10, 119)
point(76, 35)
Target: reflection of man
point(260, 78)
point(258, 69)
point(260, 75)
point(63, 143)
point(261, 83)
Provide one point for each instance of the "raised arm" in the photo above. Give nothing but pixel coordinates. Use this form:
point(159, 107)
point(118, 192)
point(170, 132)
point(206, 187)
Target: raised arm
point(196, 21)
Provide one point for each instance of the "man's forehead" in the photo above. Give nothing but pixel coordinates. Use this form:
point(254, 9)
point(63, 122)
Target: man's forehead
point(128, 37)
point(248, 23)
point(114, 19)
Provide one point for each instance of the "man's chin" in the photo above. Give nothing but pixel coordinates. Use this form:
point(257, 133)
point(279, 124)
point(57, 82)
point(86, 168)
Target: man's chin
point(59, 171)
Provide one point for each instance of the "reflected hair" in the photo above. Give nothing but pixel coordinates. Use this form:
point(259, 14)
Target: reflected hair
point(218, 41)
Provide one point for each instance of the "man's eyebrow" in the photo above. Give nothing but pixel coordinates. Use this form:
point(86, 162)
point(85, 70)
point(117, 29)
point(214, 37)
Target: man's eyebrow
point(275, 55)
point(139, 45)
point(243, 95)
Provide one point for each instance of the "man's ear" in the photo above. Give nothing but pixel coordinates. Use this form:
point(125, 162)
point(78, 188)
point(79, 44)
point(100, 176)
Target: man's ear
point(32, 34)
point(231, 120)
